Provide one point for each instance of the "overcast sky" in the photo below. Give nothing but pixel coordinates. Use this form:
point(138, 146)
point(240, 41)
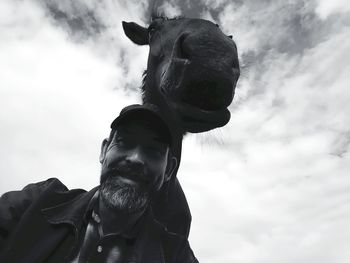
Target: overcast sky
point(273, 186)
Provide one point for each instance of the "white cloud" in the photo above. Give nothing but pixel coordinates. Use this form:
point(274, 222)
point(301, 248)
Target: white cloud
point(326, 8)
point(58, 99)
point(169, 8)
point(270, 188)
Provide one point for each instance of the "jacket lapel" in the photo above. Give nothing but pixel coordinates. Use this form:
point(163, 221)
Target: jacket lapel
point(71, 212)
point(148, 247)
point(49, 226)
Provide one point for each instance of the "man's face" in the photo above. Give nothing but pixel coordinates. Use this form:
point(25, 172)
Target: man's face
point(134, 166)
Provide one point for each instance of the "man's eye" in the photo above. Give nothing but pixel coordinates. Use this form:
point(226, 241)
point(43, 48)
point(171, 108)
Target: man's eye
point(119, 141)
point(158, 151)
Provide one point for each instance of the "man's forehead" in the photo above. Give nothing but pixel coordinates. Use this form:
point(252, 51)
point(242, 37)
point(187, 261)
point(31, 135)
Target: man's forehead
point(143, 128)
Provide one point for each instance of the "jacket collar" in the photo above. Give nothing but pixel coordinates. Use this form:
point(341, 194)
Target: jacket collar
point(70, 212)
point(147, 248)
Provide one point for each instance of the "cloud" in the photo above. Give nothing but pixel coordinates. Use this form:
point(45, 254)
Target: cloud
point(98, 24)
point(58, 98)
point(276, 188)
point(169, 8)
point(327, 8)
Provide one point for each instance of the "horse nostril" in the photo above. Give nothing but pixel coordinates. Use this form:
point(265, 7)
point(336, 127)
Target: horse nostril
point(180, 48)
point(185, 53)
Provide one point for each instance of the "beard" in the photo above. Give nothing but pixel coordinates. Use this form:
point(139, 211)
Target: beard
point(121, 196)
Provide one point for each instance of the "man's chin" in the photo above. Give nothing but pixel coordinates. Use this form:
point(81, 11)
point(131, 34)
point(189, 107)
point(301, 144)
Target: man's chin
point(123, 197)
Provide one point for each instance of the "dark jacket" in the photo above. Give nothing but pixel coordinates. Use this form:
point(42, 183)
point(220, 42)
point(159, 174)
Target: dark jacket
point(42, 223)
point(171, 208)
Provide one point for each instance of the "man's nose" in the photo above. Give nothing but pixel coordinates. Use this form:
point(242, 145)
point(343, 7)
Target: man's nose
point(135, 158)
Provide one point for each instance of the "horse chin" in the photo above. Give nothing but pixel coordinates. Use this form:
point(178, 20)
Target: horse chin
point(196, 120)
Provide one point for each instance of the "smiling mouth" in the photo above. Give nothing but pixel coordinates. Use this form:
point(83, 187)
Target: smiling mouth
point(129, 176)
point(129, 181)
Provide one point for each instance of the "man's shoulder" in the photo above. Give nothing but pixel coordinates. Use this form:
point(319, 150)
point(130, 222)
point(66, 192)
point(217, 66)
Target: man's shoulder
point(51, 184)
point(43, 190)
point(53, 188)
point(34, 190)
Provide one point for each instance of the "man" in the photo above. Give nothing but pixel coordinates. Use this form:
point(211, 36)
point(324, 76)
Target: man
point(111, 223)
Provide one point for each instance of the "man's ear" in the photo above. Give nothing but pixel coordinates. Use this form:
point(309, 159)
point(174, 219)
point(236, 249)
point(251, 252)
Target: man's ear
point(136, 33)
point(104, 147)
point(171, 168)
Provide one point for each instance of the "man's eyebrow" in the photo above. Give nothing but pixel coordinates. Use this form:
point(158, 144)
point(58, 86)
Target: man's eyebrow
point(117, 136)
point(161, 140)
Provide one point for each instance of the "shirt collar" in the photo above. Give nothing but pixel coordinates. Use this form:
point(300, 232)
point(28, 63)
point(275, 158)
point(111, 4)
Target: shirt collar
point(130, 233)
point(145, 234)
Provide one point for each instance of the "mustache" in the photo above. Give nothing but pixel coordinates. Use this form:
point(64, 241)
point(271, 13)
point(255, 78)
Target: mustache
point(129, 170)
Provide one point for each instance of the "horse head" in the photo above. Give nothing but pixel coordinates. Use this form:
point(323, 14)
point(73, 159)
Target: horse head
point(192, 70)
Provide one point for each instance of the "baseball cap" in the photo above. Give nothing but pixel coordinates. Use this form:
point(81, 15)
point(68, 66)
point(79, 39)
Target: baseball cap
point(149, 112)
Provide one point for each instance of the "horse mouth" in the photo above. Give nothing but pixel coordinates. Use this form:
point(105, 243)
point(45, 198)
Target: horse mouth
point(195, 119)
point(204, 104)
point(199, 98)
point(208, 94)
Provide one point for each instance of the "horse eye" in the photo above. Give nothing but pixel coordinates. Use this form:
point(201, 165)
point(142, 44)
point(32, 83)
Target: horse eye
point(217, 25)
point(230, 36)
point(151, 30)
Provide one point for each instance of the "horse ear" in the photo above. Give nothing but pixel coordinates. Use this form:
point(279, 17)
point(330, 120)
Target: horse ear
point(136, 33)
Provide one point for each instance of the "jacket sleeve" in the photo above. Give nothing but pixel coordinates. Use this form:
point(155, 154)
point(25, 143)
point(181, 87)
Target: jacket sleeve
point(185, 254)
point(14, 204)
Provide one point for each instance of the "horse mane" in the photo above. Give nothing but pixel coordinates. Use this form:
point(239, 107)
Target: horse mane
point(160, 15)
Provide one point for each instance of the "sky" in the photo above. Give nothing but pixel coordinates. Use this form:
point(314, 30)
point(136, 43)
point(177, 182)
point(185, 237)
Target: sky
point(271, 186)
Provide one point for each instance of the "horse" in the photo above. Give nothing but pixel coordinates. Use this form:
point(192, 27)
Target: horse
point(191, 75)
point(192, 70)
